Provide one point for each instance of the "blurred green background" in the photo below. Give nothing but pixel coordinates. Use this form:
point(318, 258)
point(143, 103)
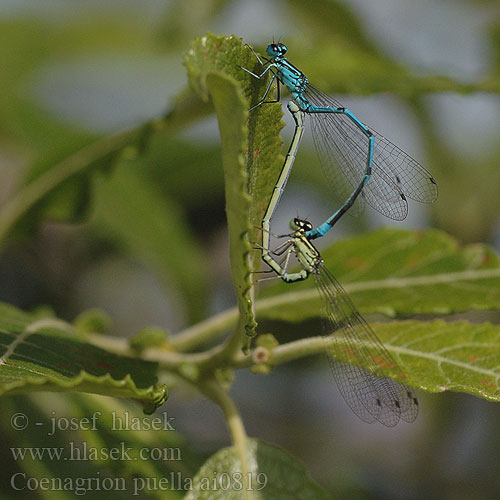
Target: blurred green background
point(425, 74)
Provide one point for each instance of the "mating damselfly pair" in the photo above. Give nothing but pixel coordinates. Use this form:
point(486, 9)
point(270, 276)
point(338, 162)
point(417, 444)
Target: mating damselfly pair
point(362, 166)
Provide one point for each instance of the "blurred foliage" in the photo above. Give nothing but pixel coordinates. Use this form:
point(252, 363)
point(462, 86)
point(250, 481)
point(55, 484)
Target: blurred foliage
point(111, 414)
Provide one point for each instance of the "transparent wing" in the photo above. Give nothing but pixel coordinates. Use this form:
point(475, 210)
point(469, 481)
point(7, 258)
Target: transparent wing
point(343, 152)
point(349, 337)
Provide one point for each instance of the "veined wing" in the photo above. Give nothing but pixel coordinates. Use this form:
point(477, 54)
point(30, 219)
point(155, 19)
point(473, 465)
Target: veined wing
point(395, 175)
point(349, 337)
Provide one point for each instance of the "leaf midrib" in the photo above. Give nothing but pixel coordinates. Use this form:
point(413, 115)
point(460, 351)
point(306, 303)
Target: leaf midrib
point(389, 283)
point(433, 356)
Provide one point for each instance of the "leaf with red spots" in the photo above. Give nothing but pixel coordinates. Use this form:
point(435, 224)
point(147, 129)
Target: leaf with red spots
point(402, 273)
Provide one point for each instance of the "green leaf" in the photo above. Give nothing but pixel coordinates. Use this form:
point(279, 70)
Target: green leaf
point(231, 114)
point(262, 151)
point(275, 475)
point(439, 356)
point(213, 68)
point(435, 356)
point(47, 355)
point(398, 273)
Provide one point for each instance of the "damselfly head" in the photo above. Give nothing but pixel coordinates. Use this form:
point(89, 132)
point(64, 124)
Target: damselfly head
point(276, 49)
point(300, 225)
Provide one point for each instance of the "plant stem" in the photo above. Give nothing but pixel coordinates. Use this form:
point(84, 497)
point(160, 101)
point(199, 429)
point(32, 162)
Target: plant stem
point(239, 436)
point(286, 352)
point(169, 360)
point(206, 330)
point(213, 357)
point(216, 326)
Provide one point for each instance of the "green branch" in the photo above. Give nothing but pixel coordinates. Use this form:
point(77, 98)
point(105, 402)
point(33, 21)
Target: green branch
point(239, 437)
